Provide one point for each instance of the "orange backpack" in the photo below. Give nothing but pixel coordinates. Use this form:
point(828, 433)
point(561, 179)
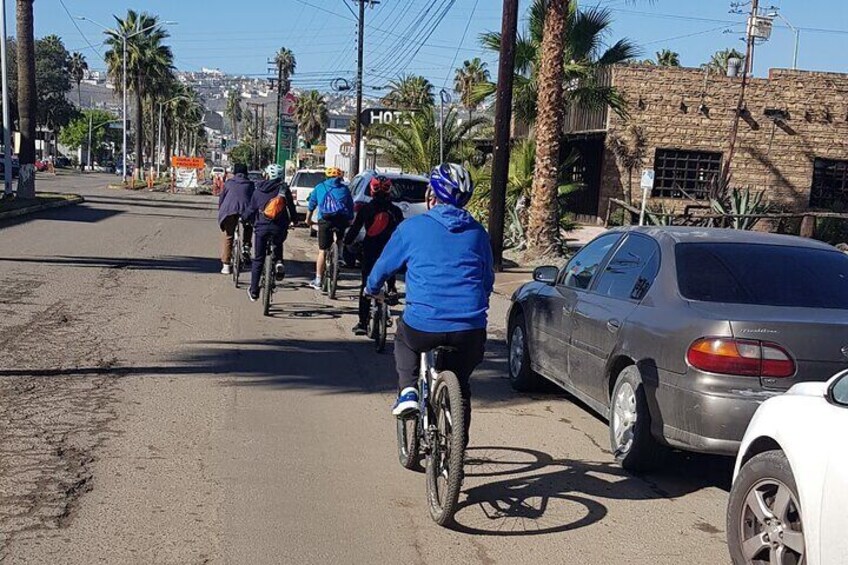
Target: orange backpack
point(275, 207)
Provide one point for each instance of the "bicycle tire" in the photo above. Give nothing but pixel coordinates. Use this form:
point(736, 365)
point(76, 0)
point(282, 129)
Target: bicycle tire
point(408, 443)
point(443, 493)
point(269, 283)
point(334, 272)
point(235, 260)
point(382, 327)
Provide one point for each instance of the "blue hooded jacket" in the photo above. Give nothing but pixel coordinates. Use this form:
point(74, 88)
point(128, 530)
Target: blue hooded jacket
point(449, 274)
point(340, 191)
point(235, 197)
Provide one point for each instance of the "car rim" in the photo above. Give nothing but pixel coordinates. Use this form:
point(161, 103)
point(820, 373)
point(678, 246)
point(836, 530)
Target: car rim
point(516, 351)
point(771, 527)
point(624, 417)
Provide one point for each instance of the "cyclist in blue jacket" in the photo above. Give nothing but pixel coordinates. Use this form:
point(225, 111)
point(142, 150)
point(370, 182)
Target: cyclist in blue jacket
point(449, 278)
point(331, 203)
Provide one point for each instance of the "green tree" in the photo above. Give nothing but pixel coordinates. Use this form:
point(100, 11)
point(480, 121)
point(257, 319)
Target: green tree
point(234, 111)
point(467, 78)
point(75, 134)
point(409, 92)
point(27, 97)
point(582, 46)
point(311, 115)
point(668, 58)
point(149, 62)
point(78, 66)
point(414, 145)
point(718, 62)
point(52, 64)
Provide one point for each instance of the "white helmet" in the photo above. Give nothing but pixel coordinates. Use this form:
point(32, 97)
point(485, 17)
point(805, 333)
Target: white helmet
point(274, 171)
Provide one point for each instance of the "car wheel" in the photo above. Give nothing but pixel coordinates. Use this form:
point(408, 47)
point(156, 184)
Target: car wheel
point(630, 424)
point(521, 376)
point(764, 524)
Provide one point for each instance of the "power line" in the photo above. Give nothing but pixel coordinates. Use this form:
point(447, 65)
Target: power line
point(461, 41)
point(74, 21)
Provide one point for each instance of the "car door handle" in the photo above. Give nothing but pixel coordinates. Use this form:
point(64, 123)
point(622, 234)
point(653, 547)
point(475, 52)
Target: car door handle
point(613, 325)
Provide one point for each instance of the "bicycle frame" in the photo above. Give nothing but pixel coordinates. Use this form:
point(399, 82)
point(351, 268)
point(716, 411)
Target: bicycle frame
point(427, 377)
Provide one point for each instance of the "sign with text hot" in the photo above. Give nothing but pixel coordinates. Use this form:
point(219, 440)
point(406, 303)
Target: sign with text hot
point(374, 116)
point(188, 162)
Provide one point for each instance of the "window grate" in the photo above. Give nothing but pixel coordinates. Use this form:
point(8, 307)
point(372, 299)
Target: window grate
point(678, 173)
point(830, 184)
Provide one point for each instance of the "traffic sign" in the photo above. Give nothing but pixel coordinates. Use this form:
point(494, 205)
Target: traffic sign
point(188, 162)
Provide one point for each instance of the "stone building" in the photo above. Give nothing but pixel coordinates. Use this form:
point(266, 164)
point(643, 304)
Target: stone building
point(792, 141)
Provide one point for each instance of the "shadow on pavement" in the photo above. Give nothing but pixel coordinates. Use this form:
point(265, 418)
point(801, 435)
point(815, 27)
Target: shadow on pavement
point(167, 263)
point(83, 213)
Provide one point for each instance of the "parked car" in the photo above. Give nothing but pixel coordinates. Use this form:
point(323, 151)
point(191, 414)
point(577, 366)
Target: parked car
point(302, 184)
point(218, 171)
point(255, 176)
point(790, 486)
point(61, 162)
point(409, 192)
point(41, 165)
point(677, 335)
point(119, 168)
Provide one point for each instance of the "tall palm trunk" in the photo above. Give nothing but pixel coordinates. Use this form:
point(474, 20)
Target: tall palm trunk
point(543, 230)
point(79, 93)
point(139, 127)
point(27, 100)
point(168, 143)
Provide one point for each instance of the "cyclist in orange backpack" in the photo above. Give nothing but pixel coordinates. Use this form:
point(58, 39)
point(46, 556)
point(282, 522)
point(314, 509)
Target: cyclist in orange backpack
point(271, 211)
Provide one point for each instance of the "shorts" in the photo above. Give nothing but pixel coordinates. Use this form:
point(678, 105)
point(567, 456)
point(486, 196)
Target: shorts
point(326, 229)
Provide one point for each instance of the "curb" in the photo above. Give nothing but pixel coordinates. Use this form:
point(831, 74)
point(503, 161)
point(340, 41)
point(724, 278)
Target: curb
point(69, 200)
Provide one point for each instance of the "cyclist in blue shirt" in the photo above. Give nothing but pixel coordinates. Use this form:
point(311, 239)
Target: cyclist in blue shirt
point(449, 278)
point(332, 205)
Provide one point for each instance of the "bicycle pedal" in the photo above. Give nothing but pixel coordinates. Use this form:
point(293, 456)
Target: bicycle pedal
point(389, 323)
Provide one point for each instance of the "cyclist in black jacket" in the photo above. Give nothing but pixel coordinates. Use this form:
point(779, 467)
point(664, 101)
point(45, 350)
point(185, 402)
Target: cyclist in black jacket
point(380, 218)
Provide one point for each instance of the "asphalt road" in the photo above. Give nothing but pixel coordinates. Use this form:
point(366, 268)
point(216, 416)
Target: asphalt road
point(150, 414)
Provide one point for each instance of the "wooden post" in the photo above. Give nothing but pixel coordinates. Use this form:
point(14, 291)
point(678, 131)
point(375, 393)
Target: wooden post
point(808, 227)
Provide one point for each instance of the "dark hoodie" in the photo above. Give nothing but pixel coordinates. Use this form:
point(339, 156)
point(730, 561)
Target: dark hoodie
point(235, 197)
point(449, 270)
point(265, 191)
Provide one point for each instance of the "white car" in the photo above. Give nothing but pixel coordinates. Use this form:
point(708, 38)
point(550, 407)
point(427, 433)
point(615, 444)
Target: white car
point(789, 501)
point(302, 184)
point(218, 171)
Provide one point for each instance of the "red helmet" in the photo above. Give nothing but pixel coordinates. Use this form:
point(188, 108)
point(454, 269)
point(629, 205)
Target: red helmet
point(380, 184)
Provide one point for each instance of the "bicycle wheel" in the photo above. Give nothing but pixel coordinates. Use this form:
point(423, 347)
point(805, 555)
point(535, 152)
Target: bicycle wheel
point(268, 274)
point(382, 327)
point(407, 442)
point(334, 271)
point(447, 449)
point(235, 261)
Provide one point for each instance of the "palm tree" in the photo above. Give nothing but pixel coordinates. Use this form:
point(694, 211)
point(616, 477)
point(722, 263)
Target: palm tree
point(409, 92)
point(543, 237)
point(583, 57)
point(718, 62)
point(310, 113)
point(414, 145)
point(629, 147)
point(471, 74)
point(668, 58)
point(286, 63)
point(234, 111)
point(78, 66)
point(27, 105)
point(149, 62)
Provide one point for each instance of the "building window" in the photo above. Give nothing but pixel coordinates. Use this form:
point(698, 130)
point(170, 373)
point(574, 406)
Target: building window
point(680, 173)
point(830, 184)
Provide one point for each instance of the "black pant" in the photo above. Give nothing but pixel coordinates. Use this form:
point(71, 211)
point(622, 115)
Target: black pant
point(276, 237)
point(369, 258)
point(470, 347)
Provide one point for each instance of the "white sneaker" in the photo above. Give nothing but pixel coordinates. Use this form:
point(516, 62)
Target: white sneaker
point(226, 270)
point(280, 270)
point(316, 283)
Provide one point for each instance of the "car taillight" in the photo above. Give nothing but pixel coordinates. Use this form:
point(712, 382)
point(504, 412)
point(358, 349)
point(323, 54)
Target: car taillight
point(742, 357)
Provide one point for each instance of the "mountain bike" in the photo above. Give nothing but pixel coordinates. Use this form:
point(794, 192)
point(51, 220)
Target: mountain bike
point(237, 252)
point(330, 282)
point(438, 431)
point(267, 279)
point(379, 321)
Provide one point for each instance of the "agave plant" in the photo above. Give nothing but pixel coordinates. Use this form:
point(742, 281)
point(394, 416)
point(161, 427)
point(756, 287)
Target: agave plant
point(742, 202)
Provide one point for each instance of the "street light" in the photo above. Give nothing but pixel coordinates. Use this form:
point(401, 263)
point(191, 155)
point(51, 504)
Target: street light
point(124, 38)
point(7, 122)
point(775, 14)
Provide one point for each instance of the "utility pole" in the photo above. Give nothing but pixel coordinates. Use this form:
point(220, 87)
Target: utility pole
point(261, 138)
point(740, 105)
point(255, 157)
point(7, 121)
point(357, 146)
point(503, 122)
point(279, 120)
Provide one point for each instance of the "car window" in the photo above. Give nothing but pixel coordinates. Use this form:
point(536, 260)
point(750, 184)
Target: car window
point(356, 186)
point(632, 269)
point(580, 271)
point(840, 391)
point(409, 190)
point(309, 180)
point(764, 275)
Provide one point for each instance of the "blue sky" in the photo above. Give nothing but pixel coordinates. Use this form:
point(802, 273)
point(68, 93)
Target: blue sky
point(238, 37)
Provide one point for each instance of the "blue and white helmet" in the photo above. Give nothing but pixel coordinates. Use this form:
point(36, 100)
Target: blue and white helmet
point(274, 171)
point(452, 184)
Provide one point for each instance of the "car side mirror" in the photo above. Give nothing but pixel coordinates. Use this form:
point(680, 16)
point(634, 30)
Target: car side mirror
point(547, 275)
point(837, 392)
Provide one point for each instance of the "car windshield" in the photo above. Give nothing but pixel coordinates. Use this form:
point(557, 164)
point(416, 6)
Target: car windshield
point(310, 180)
point(409, 190)
point(764, 275)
